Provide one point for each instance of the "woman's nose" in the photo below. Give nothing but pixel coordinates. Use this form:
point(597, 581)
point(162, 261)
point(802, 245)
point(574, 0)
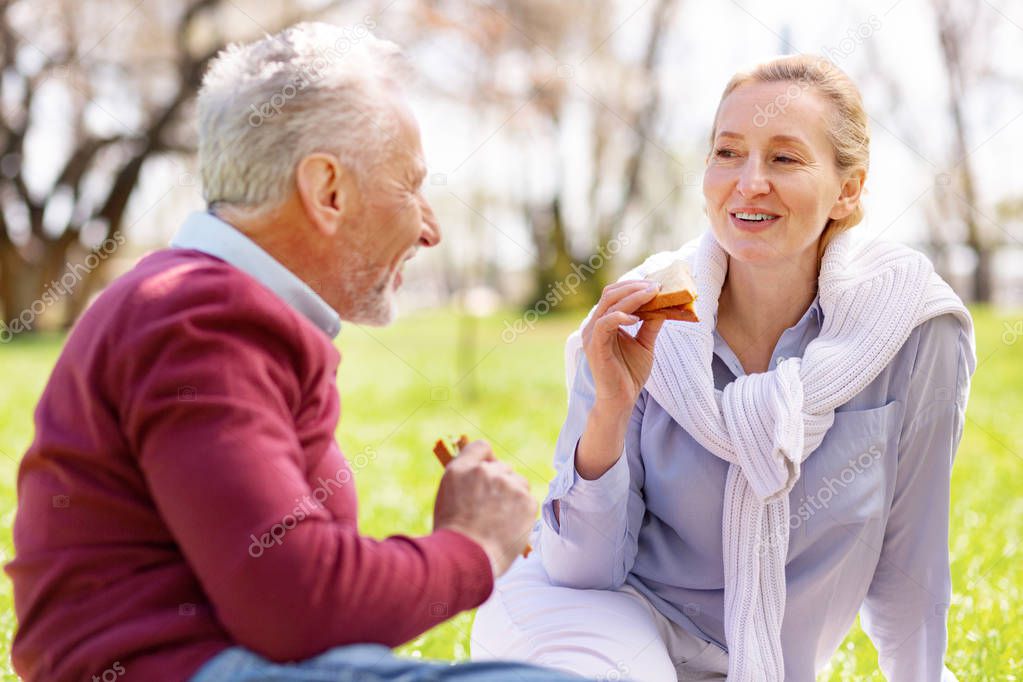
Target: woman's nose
point(752, 180)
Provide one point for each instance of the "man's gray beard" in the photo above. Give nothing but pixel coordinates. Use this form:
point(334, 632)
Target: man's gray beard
point(367, 289)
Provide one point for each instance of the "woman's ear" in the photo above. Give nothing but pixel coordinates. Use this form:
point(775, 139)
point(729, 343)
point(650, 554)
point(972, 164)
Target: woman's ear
point(327, 191)
point(852, 189)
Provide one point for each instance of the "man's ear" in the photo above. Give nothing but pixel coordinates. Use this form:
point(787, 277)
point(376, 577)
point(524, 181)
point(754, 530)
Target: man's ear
point(327, 189)
point(852, 189)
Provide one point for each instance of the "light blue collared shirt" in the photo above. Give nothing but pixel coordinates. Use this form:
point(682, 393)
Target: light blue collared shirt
point(869, 514)
point(205, 232)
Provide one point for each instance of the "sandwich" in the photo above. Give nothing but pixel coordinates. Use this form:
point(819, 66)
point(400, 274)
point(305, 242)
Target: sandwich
point(675, 299)
point(445, 451)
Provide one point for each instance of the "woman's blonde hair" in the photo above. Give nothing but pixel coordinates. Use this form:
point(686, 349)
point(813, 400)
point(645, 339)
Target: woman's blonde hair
point(847, 131)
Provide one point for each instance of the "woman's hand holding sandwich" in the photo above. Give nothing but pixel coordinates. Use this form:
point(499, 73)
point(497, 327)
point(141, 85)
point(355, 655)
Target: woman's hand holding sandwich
point(620, 364)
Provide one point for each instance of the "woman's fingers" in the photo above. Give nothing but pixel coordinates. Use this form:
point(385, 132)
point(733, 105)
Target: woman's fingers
point(607, 326)
point(647, 334)
point(631, 302)
point(621, 310)
point(615, 293)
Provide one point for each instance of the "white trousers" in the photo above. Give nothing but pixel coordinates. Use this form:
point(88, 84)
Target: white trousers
point(599, 634)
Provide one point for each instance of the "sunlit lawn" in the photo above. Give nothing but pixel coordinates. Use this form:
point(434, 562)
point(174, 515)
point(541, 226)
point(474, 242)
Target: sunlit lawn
point(433, 374)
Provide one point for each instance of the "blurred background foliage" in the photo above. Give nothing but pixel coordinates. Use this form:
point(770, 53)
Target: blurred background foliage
point(551, 127)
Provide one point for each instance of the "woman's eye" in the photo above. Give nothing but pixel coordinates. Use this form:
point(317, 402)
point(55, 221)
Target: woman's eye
point(724, 153)
point(785, 159)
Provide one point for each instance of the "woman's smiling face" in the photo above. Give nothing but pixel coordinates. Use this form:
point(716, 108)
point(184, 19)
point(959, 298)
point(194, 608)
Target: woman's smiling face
point(771, 156)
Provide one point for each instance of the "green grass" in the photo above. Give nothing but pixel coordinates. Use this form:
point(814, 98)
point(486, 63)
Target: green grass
point(403, 386)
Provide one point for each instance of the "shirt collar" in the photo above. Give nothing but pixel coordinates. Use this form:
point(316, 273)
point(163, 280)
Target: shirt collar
point(793, 340)
point(815, 310)
point(205, 232)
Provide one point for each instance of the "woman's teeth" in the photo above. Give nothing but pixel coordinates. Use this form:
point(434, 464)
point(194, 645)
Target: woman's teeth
point(755, 216)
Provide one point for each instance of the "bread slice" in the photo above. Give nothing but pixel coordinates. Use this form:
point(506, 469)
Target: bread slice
point(675, 300)
point(682, 314)
point(443, 450)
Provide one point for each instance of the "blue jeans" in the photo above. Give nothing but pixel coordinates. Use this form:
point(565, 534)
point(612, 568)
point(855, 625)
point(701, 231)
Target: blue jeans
point(364, 663)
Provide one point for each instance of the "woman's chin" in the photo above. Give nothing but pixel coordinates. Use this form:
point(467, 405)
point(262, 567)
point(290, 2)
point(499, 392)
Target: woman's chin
point(752, 250)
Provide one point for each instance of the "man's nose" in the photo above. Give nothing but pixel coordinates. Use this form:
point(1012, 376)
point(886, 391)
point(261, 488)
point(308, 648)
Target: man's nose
point(752, 179)
point(430, 233)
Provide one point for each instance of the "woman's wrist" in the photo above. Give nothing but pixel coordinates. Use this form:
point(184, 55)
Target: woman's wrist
point(610, 417)
point(602, 441)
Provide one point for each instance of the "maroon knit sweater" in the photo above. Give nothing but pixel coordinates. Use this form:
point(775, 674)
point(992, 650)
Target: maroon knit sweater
point(184, 493)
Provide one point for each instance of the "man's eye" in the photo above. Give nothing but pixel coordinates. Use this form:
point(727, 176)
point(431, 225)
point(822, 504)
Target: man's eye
point(786, 159)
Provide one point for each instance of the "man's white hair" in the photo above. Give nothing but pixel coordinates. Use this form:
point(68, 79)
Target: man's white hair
point(313, 87)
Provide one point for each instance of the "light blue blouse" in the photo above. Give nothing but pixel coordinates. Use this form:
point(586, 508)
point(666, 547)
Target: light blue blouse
point(869, 515)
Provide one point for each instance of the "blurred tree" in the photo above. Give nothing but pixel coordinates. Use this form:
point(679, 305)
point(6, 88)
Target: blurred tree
point(555, 64)
point(1010, 209)
point(952, 214)
point(957, 31)
point(81, 112)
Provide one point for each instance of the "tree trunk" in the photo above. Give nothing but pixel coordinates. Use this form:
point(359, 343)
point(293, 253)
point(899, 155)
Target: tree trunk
point(57, 283)
point(951, 39)
point(21, 288)
point(554, 263)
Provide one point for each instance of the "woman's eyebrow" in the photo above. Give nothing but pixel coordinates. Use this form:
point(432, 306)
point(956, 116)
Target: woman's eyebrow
point(774, 138)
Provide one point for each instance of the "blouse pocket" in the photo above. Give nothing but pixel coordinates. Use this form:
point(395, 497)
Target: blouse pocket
point(843, 481)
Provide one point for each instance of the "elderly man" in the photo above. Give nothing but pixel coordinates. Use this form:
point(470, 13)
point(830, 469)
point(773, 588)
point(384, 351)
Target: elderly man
point(184, 510)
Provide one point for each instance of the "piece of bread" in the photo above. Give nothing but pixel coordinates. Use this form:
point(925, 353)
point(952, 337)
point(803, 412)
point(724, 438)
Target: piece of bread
point(444, 455)
point(682, 314)
point(443, 452)
point(676, 297)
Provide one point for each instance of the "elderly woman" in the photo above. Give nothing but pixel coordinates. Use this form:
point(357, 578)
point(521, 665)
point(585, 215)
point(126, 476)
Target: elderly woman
point(727, 503)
